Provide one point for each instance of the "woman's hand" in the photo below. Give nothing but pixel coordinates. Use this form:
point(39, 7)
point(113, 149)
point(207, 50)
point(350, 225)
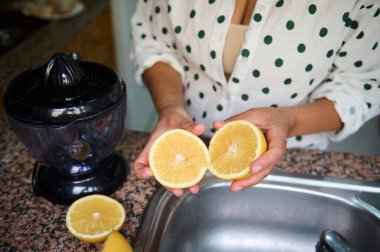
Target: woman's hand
point(276, 124)
point(170, 118)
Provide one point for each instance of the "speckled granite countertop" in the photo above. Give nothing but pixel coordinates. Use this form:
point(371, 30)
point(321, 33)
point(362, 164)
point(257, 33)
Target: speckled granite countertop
point(30, 223)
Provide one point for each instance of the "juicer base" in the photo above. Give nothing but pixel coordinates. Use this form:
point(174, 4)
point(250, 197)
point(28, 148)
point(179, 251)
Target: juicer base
point(65, 189)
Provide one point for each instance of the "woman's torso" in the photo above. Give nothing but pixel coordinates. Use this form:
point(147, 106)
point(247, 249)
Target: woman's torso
point(287, 51)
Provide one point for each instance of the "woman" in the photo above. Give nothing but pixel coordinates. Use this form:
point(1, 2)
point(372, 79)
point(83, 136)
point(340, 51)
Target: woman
point(305, 72)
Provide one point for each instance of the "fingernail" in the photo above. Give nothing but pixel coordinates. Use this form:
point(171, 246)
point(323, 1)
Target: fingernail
point(238, 188)
point(256, 169)
point(147, 174)
point(193, 191)
point(218, 123)
point(177, 193)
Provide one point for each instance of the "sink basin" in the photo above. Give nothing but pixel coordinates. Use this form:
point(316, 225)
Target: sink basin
point(282, 213)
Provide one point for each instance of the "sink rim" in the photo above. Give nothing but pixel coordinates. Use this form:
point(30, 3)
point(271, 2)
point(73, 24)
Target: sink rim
point(340, 189)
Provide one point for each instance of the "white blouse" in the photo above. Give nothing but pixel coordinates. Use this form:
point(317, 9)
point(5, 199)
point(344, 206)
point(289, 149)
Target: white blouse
point(294, 52)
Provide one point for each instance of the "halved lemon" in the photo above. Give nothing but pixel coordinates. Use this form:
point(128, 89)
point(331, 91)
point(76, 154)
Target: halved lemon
point(92, 218)
point(234, 147)
point(178, 159)
point(116, 242)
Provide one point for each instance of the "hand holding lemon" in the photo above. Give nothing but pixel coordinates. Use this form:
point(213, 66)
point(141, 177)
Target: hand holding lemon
point(180, 159)
point(234, 147)
point(172, 117)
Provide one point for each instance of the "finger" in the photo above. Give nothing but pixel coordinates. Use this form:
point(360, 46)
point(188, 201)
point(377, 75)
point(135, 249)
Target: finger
point(176, 192)
point(262, 167)
point(249, 182)
point(240, 116)
point(218, 124)
point(198, 129)
point(194, 189)
point(141, 170)
point(141, 164)
point(276, 149)
point(268, 160)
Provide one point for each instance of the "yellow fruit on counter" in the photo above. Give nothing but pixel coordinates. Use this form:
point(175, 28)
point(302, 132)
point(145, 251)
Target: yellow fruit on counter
point(178, 159)
point(234, 147)
point(116, 242)
point(92, 218)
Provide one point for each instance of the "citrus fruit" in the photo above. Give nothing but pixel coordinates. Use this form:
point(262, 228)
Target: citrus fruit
point(178, 159)
point(234, 147)
point(116, 242)
point(92, 218)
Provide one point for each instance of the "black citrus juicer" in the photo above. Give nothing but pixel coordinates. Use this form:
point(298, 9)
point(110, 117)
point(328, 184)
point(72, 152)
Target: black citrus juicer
point(70, 115)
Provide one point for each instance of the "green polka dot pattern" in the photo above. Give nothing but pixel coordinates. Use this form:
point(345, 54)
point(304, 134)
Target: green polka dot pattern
point(301, 48)
point(257, 17)
point(268, 39)
point(312, 9)
point(330, 53)
point(287, 81)
point(323, 32)
point(280, 3)
point(213, 54)
point(177, 29)
point(278, 62)
point(367, 86)
point(245, 53)
point(256, 73)
point(201, 34)
point(290, 25)
point(192, 14)
point(358, 63)
point(309, 67)
point(291, 52)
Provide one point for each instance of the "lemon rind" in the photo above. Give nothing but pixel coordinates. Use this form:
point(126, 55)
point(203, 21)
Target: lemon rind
point(230, 176)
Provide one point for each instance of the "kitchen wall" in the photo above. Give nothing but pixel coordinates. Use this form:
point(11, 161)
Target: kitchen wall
point(140, 111)
point(141, 114)
point(365, 141)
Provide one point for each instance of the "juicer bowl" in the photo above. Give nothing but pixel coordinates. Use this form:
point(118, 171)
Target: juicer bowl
point(76, 148)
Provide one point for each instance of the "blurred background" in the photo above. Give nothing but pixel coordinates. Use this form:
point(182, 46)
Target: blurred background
point(99, 30)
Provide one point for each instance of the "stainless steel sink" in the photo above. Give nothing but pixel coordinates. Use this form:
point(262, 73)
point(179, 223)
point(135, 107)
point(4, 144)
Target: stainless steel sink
point(283, 213)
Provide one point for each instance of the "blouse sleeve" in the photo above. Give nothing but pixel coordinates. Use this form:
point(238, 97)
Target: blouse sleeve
point(353, 84)
point(147, 47)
